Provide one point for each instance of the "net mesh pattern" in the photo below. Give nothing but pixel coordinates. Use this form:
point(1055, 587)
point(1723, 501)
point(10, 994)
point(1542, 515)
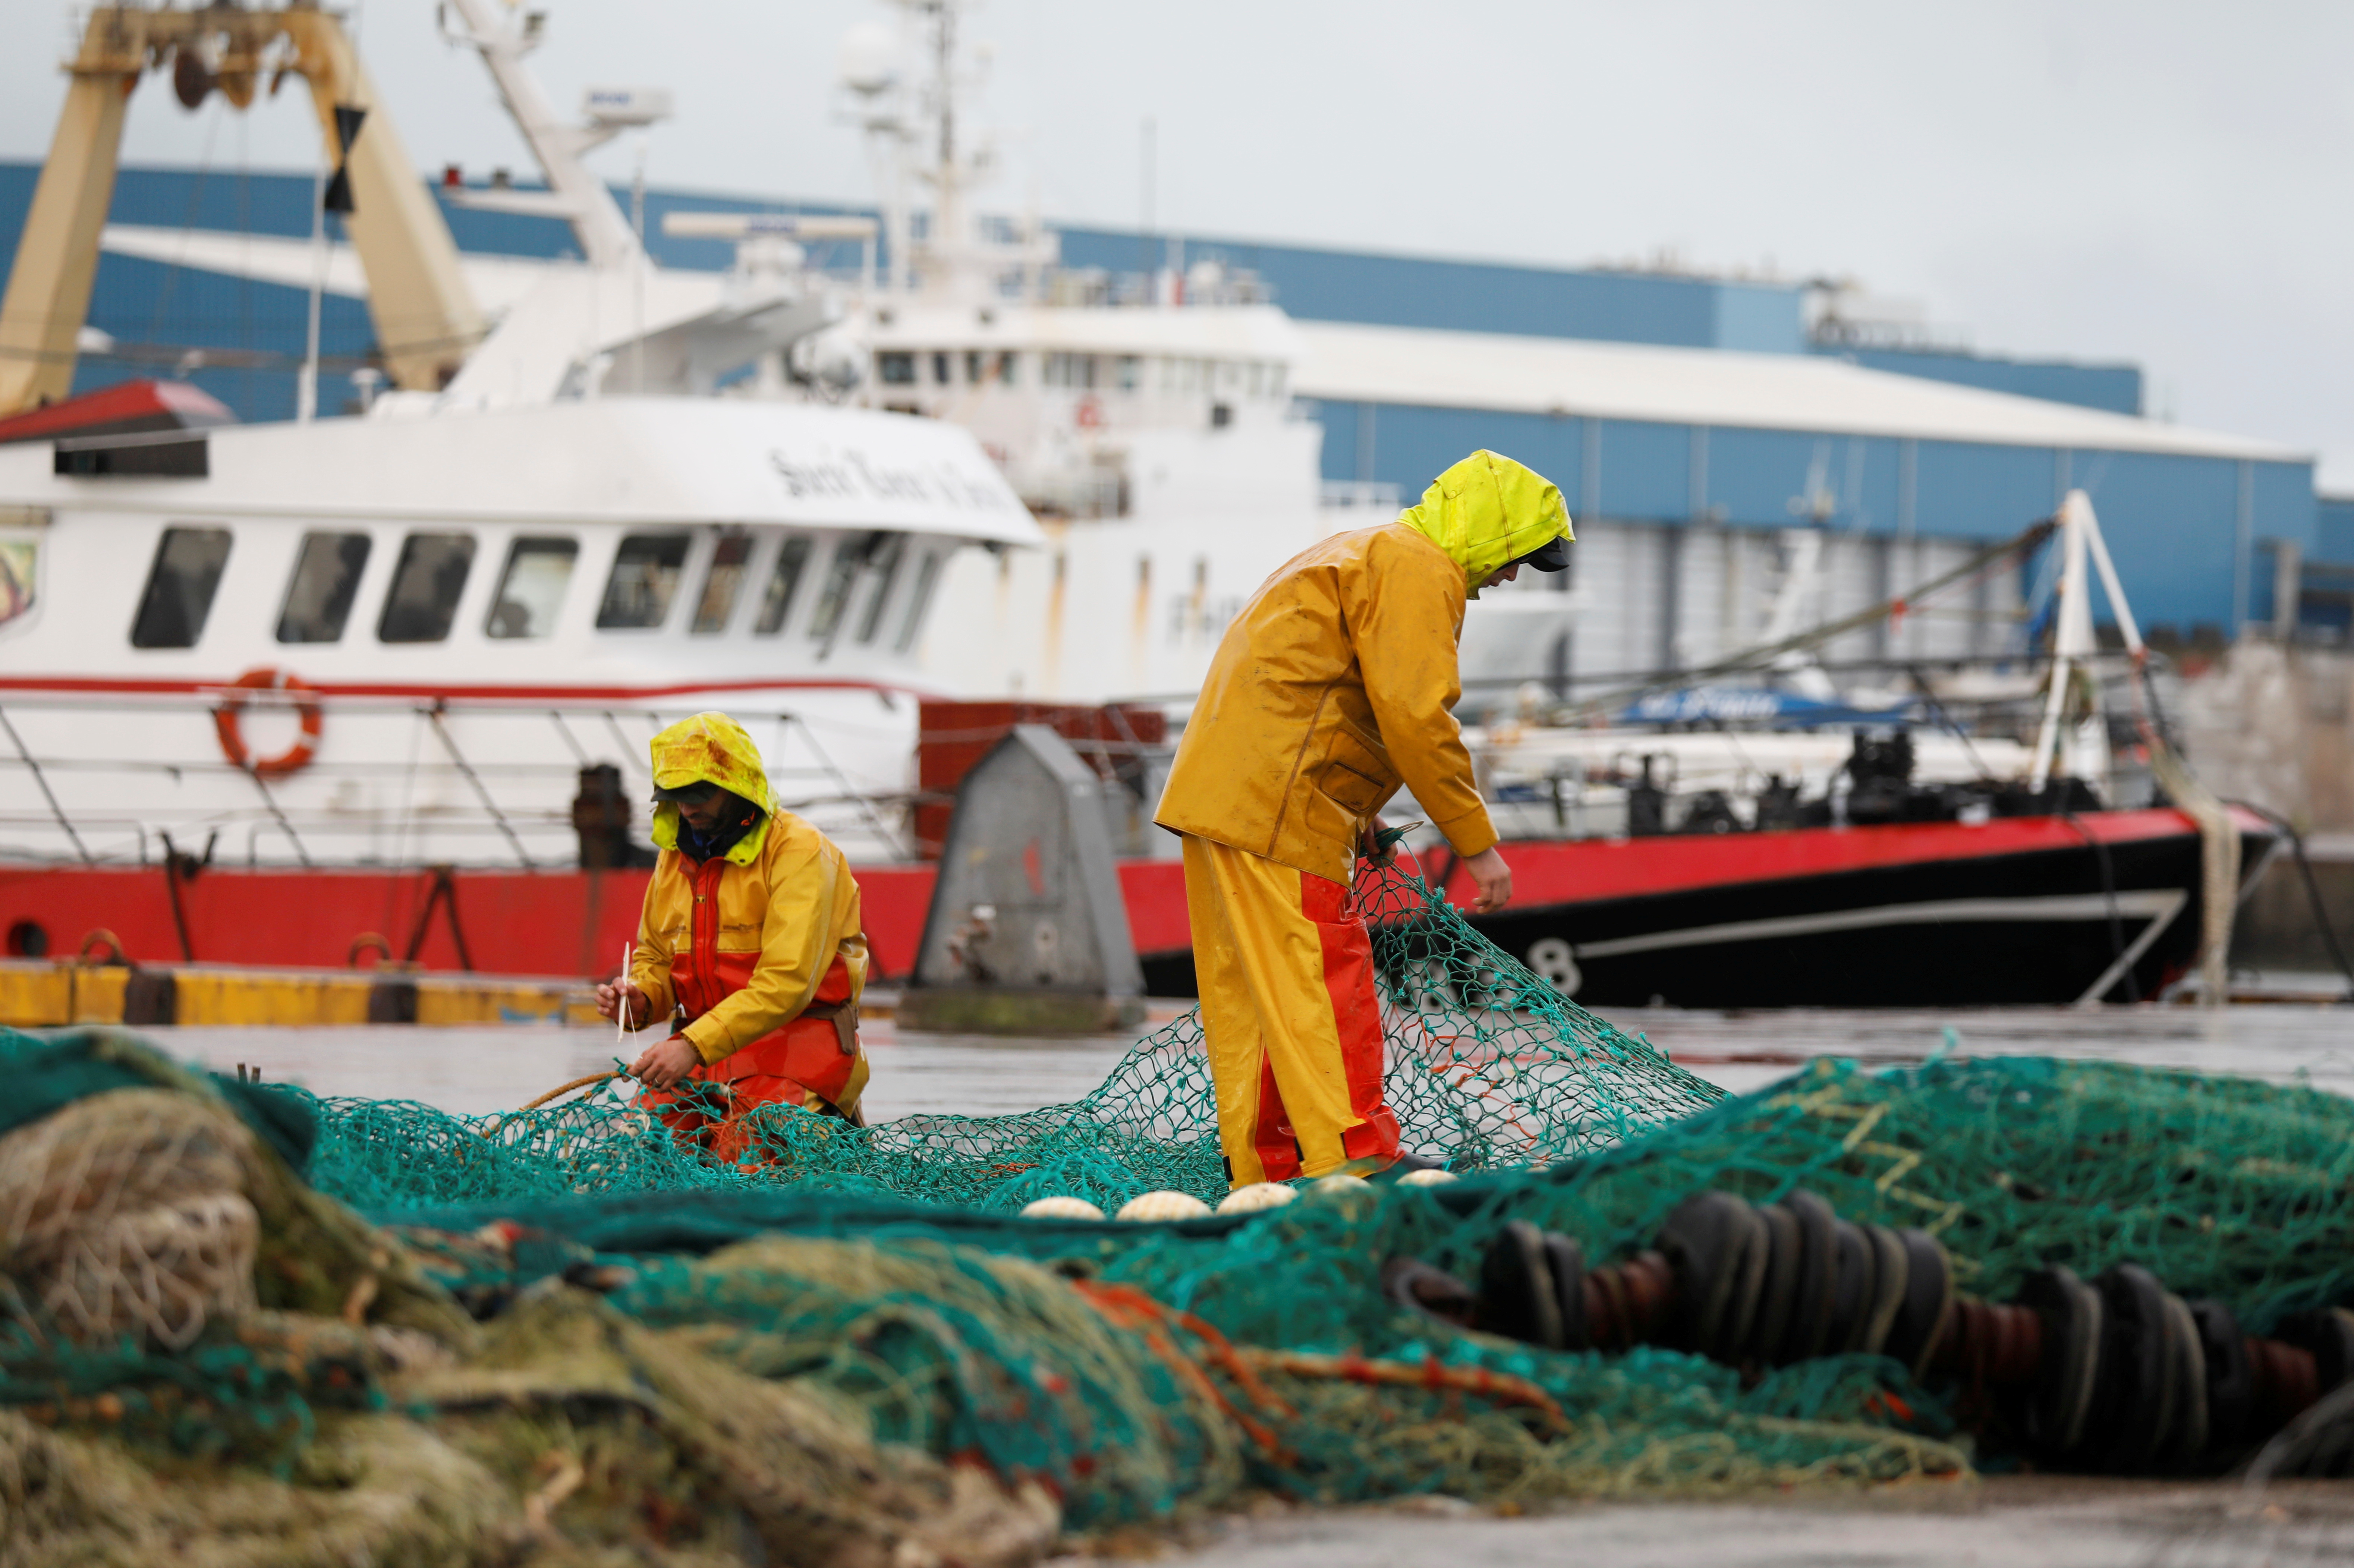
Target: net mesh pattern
point(1488, 1068)
point(563, 1325)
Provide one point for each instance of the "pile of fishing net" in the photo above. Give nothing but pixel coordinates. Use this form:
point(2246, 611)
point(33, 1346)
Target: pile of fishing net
point(280, 1328)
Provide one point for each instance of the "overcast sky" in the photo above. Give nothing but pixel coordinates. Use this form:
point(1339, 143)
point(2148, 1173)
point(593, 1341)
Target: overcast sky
point(2154, 181)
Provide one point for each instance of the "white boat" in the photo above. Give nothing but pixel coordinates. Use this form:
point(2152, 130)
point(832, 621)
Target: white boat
point(399, 639)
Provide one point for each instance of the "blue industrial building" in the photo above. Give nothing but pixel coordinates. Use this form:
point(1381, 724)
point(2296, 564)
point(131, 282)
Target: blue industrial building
point(1987, 445)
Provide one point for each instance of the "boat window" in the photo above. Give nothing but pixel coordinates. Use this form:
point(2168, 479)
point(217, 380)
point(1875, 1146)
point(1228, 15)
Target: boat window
point(839, 572)
point(895, 369)
point(784, 581)
point(645, 574)
point(180, 588)
point(927, 577)
point(1274, 374)
point(941, 374)
point(1071, 369)
point(326, 580)
point(20, 559)
point(426, 586)
point(722, 582)
point(1258, 379)
point(976, 366)
point(1007, 362)
point(530, 590)
point(886, 563)
point(1131, 372)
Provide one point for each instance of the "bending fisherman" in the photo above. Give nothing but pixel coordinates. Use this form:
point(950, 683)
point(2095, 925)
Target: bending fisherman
point(751, 930)
point(1333, 687)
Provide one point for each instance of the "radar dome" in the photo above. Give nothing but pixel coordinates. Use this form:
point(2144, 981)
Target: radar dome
point(868, 60)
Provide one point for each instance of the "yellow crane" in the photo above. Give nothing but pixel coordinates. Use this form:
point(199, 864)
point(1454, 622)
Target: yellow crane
point(426, 320)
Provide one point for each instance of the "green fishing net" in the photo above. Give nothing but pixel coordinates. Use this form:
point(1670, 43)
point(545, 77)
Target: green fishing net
point(1488, 1068)
point(590, 1332)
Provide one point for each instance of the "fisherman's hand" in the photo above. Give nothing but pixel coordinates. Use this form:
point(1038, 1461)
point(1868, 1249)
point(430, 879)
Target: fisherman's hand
point(1491, 880)
point(665, 1062)
point(610, 997)
point(1369, 843)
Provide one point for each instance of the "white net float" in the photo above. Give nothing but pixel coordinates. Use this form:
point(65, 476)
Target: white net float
point(1162, 1205)
point(1426, 1178)
point(1258, 1196)
point(1062, 1206)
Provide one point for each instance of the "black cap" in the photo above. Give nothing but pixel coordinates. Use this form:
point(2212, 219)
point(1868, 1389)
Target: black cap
point(1552, 556)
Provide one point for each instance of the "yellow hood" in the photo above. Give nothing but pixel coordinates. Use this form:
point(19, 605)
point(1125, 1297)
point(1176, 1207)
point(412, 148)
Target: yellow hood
point(710, 748)
point(1488, 510)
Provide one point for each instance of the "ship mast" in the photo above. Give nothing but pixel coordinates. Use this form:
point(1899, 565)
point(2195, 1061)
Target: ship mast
point(574, 194)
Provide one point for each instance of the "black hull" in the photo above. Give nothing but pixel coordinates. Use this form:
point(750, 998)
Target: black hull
point(2047, 926)
point(2029, 929)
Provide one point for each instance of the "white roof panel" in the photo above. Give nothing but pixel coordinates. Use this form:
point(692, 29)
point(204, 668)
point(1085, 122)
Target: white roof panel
point(616, 460)
point(1350, 362)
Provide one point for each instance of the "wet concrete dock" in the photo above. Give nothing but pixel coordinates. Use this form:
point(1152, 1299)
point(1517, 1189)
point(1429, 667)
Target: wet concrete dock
point(480, 1070)
point(2033, 1521)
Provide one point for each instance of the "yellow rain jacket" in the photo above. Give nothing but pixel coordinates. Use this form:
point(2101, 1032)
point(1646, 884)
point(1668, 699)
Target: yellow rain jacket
point(1335, 684)
point(761, 946)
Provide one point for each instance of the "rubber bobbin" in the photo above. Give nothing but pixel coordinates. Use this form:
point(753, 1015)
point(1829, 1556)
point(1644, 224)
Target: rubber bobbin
point(2231, 1380)
point(1516, 1293)
point(2133, 1398)
point(1925, 1316)
point(1428, 1291)
point(1741, 1312)
point(1714, 1242)
point(1778, 1287)
point(2327, 1335)
point(1854, 1284)
point(2051, 1412)
point(1891, 1270)
point(1810, 1322)
point(2191, 1423)
point(1566, 1262)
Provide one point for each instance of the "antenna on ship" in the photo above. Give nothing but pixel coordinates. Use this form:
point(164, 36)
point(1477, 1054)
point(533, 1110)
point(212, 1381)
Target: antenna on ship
point(574, 192)
point(920, 133)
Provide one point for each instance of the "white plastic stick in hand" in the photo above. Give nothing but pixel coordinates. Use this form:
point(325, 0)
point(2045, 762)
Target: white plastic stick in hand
point(622, 1013)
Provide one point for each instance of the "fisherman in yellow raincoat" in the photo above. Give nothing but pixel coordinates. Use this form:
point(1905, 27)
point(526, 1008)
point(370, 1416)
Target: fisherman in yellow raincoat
point(751, 931)
point(1333, 688)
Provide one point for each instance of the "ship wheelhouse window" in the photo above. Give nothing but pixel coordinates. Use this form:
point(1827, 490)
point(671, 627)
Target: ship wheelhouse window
point(942, 375)
point(1007, 363)
point(976, 367)
point(896, 368)
point(887, 562)
point(834, 594)
point(181, 583)
point(531, 589)
point(784, 584)
point(645, 574)
point(927, 577)
point(20, 560)
point(326, 581)
point(427, 583)
point(723, 581)
point(1129, 372)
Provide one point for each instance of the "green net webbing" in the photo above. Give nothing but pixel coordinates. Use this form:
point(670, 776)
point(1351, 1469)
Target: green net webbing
point(1489, 1068)
point(651, 1317)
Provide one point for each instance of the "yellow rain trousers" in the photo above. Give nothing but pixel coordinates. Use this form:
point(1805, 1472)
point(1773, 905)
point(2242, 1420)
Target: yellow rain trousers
point(761, 947)
point(1334, 686)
